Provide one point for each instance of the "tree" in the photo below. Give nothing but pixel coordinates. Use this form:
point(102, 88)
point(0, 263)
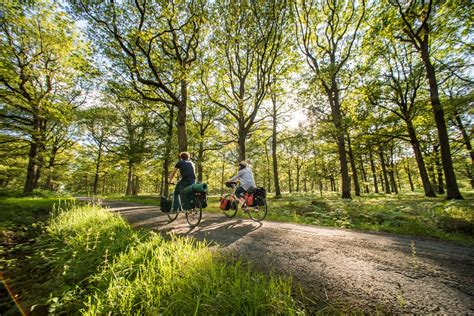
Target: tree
point(327, 32)
point(157, 43)
point(398, 93)
point(99, 126)
point(42, 56)
point(417, 21)
point(248, 40)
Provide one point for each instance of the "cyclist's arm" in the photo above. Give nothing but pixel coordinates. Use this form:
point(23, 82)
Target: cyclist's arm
point(172, 175)
point(234, 178)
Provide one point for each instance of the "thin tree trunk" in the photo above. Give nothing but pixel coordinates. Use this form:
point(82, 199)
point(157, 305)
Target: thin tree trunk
point(467, 142)
point(181, 118)
point(439, 170)
point(52, 161)
point(364, 176)
point(97, 169)
point(384, 172)
point(410, 180)
point(415, 144)
point(129, 190)
point(353, 167)
point(374, 174)
point(167, 157)
point(200, 159)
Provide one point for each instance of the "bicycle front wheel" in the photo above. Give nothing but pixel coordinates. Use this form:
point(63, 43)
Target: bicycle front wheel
point(194, 215)
point(258, 212)
point(232, 209)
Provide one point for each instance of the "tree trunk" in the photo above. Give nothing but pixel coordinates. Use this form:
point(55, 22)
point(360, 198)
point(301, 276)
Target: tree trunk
point(298, 169)
point(32, 168)
point(135, 185)
point(432, 175)
point(276, 181)
point(439, 170)
point(336, 115)
point(104, 182)
point(290, 184)
point(97, 169)
point(384, 172)
point(52, 161)
point(333, 183)
point(382, 182)
point(415, 144)
point(374, 174)
point(267, 169)
point(222, 175)
point(467, 142)
point(241, 141)
point(364, 176)
point(410, 180)
point(353, 167)
point(200, 157)
point(181, 118)
point(129, 190)
point(451, 183)
point(167, 157)
point(393, 183)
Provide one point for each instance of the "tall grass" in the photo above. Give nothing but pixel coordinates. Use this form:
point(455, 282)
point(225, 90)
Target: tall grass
point(89, 260)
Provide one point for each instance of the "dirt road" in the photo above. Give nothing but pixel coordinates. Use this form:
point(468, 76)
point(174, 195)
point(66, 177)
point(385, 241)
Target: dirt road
point(356, 271)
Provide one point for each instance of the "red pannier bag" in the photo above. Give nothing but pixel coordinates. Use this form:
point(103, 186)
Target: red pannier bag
point(225, 204)
point(249, 199)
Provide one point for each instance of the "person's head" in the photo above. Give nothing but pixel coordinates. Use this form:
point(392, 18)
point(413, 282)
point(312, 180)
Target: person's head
point(243, 164)
point(184, 155)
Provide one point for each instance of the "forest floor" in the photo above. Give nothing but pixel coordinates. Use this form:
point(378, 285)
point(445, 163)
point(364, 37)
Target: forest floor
point(337, 269)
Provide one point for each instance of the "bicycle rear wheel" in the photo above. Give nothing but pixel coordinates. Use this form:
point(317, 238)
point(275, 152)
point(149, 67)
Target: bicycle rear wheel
point(194, 215)
point(258, 212)
point(172, 215)
point(232, 209)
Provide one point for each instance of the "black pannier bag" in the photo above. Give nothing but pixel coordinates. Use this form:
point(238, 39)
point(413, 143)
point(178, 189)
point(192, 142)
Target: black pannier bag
point(202, 196)
point(165, 204)
point(259, 196)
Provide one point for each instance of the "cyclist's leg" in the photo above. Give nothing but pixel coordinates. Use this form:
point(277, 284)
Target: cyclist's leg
point(239, 193)
point(177, 190)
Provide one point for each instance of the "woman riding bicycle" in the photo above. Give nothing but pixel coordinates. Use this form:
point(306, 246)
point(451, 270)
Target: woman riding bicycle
point(247, 182)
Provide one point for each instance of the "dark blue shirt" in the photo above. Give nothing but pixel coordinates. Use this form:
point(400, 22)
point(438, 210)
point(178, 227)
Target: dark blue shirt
point(186, 168)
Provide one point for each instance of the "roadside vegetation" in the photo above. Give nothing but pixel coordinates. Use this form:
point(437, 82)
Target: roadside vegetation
point(408, 213)
point(71, 258)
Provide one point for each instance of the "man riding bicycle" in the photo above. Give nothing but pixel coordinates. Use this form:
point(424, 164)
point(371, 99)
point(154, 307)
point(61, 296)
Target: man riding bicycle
point(247, 182)
point(188, 176)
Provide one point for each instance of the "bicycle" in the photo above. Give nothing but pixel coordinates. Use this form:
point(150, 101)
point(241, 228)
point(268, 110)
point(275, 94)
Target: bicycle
point(257, 211)
point(193, 215)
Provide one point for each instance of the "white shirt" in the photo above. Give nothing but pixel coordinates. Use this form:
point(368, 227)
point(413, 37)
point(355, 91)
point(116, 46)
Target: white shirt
point(246, 178)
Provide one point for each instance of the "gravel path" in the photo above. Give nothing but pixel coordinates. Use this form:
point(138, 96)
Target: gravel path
point(356, 271)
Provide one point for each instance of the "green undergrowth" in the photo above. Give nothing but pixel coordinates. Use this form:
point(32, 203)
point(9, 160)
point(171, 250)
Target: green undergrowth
point(408, 213)
point(86, 260)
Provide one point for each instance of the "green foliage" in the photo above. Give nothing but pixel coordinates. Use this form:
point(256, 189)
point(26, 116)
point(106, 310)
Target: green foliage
point(89, 260)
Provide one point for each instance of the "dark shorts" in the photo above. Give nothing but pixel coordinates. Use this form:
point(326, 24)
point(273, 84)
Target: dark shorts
point(239, 191)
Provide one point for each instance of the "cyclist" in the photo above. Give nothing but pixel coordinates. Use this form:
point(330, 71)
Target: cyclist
point(188, 176)
point(247, 182)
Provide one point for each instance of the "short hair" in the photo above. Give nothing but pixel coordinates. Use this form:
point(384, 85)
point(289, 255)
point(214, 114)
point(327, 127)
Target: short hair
point(184, 155)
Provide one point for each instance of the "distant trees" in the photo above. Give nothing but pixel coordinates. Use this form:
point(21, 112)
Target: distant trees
point(225, 81)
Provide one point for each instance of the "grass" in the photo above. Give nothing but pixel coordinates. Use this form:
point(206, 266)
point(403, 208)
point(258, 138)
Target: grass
point(83, 259)
point(408, 213)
